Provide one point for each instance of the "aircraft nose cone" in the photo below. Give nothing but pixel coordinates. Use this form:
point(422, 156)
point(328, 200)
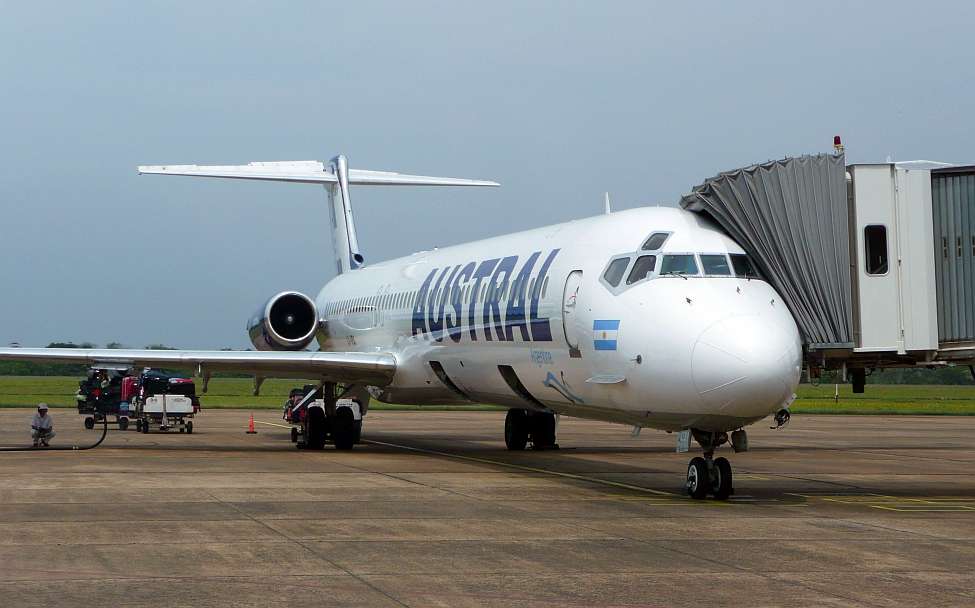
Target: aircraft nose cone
point(746, 367)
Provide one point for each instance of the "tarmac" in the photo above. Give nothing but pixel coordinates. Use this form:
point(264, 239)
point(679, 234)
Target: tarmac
point(430, 510)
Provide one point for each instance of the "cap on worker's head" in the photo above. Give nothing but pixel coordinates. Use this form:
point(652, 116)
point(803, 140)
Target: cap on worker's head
point(42, 406)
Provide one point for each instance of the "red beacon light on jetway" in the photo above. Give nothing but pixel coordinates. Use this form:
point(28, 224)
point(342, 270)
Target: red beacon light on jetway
point(837, 144)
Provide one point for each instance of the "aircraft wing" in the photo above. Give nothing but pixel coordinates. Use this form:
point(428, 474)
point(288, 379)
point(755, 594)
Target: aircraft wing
point(374, 369)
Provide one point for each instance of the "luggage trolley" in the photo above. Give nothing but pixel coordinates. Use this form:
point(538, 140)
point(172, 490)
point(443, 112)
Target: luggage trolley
point(103, 394)
point(165, 402)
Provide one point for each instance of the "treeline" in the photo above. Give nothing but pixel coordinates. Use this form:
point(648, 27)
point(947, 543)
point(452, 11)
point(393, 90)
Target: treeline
point(910, 375)
point(28, 368)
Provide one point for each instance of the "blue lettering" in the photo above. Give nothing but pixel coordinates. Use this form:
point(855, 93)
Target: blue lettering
point(541, 327)
point(492, 308)
point(436, 322)
point(419, 314)
point(483, 271)
point(456, 320)
point(514, 317)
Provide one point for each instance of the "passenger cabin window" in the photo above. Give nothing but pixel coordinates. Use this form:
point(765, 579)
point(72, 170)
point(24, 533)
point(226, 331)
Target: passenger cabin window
point(642, 268)
point(715, 265)
point(743, 266)
point(875, 241)
point(678, 264)
point(614, 274)
point(656, 241)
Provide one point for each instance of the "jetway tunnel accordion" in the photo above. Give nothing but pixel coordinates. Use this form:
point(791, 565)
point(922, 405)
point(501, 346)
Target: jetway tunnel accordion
point(792, 217)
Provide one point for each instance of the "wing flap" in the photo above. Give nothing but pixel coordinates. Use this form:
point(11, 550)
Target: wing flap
point(375, 369)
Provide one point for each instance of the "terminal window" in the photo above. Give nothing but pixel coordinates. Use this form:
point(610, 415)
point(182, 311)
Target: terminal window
point(875, 241)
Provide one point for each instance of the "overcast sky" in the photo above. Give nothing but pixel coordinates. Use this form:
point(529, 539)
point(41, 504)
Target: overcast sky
point(559, 101)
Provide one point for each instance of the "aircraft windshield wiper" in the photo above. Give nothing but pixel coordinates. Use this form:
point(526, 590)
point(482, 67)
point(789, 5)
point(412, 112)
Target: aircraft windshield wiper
point(675, 273)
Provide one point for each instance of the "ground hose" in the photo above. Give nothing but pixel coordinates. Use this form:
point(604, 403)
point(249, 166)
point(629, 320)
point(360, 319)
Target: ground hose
point(65, 447)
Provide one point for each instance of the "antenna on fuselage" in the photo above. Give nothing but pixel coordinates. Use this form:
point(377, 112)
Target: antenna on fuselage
point(606, 203)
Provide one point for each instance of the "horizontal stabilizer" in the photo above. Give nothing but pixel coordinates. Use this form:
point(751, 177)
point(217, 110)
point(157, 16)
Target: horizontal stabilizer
point(307, 171)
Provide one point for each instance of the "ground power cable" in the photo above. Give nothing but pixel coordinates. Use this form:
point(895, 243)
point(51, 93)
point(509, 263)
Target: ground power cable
point(61, 448)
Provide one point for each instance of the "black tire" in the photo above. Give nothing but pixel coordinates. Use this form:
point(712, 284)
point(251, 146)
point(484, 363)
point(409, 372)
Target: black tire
point(698, 482)
point(123, 424)
point(516, 429)
point(315, 429)
point(343, 429)
point(294, 435)
point(89, 423)
point(721, 485)
point(358, 431)
point(145, 425)
point(543, 430)
point(189, 427)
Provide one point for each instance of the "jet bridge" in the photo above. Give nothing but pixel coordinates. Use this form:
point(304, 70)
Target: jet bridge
point(875, 261)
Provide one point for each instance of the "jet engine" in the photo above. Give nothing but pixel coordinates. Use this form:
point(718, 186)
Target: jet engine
point(287, 321)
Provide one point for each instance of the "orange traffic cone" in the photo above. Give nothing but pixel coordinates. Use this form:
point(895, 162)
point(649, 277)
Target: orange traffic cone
point(250, 426)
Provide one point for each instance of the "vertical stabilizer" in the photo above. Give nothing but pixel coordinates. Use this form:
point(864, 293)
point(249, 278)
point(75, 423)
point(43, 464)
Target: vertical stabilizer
point(344, 241)
point(336, 177)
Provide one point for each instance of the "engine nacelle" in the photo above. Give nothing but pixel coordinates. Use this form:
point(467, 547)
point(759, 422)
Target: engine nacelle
point(288, 321)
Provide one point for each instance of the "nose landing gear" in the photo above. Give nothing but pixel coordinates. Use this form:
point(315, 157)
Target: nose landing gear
point(709, 475)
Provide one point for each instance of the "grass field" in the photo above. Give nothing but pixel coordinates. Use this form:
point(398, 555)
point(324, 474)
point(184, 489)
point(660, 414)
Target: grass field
point(59, 391)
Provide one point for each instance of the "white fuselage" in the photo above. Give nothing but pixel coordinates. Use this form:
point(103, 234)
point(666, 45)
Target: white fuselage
point(529, 320)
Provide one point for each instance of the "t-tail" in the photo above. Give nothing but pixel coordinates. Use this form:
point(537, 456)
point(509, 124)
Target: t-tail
point(335, 176)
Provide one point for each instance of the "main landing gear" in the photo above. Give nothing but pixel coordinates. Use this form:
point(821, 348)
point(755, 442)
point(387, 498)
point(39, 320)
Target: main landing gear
point(522, 426)
point(709, 475)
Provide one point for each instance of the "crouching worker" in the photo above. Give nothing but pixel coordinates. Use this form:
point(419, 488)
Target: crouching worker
point(41, 426)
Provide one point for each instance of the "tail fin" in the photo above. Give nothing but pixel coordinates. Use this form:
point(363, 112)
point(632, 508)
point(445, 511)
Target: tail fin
point(335, 176)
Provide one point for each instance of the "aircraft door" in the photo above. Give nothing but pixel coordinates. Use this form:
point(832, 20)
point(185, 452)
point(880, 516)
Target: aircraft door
point(572, 312)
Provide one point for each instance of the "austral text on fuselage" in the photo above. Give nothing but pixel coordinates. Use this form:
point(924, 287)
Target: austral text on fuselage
point(439, 309)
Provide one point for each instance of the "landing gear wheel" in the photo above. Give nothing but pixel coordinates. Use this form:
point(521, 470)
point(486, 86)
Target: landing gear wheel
point(294, 435)
point(343, 429)
point(721, 486)
point(358, 432)
point(315, 430)
point(89, 423)
point(698, 483)
point(123, 424)
point(516, 429)
point(145, 425)
point(189, 427)
point(543, 430)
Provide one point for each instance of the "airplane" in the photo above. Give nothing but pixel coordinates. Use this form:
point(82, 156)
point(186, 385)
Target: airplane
point(650, 317)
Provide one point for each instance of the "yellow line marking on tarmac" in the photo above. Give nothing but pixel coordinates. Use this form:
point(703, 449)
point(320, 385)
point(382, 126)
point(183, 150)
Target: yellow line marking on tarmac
point(912, 504)
point(926, 509)
point(519, 467)
point(284, 426)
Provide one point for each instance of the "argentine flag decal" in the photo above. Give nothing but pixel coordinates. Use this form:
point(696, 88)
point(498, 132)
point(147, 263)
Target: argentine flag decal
point(604, 333)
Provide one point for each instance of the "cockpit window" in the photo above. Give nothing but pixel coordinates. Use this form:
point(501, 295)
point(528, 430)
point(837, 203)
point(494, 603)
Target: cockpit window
point(678, 264)
point(743, 266)
point(656, 241)
point(715, 265)
point(642, 268)
point(615, 271)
